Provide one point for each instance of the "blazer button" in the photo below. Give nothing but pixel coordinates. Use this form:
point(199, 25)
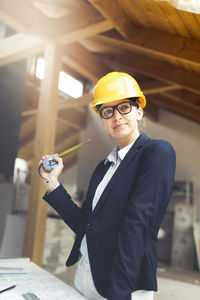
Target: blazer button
point(89, 226)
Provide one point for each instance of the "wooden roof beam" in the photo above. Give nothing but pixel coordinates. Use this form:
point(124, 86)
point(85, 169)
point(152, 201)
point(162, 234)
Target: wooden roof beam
point(70, 103)
point(169, 45)
point(85, 63)
point(173, 49)
point(22, 45)
point(85, 31)
point(70, 124)
point(160, 90)
point(34, 22)
point(111, 10)
point(19, 46)
point(162, 70)
point(184, 109)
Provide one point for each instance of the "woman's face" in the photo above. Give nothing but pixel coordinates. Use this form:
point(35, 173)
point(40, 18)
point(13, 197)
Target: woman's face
point(124, 128)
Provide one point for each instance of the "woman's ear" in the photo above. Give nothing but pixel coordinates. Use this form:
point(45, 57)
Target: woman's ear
point(140, 113)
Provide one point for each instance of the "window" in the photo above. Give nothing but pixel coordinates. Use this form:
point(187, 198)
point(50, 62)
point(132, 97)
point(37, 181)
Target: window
point(66, 83)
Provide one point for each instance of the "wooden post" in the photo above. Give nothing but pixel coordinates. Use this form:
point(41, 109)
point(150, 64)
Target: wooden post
point(43, 144)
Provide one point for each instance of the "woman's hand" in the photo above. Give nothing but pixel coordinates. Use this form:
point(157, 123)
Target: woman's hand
point(50, 179)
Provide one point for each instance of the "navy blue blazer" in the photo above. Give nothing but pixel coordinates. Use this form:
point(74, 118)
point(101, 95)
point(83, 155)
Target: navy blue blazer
point(122, 230)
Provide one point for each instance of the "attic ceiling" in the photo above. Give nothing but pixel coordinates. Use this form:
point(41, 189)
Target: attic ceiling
point(153, 41)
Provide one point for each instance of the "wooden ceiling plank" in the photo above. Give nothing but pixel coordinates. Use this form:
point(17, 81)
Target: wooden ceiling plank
point(190, 23)
point(110, 9)
point(134, 12)
point(164, 24)
point(150, 12)
point(161, 70)
point(169, 44)
point(19, 46)
point(174, 19)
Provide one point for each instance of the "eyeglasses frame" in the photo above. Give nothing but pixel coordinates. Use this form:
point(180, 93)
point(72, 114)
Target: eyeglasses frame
point(133, 103)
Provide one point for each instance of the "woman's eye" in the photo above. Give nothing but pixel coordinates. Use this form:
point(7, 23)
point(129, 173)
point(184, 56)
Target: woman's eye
point(124, 107)
point(107, 112)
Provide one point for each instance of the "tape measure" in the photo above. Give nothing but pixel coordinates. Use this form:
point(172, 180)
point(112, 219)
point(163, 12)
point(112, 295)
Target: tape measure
point(50, 163)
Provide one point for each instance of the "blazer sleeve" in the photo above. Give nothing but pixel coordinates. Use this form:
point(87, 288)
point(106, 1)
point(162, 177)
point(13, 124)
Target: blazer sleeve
point(61, 201)
point(145, 210)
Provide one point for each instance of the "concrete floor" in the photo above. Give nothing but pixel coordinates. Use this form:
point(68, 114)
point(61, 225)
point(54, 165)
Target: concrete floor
point(172, 284)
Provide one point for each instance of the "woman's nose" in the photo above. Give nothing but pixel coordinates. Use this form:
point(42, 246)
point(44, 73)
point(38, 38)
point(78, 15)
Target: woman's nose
point(116, 115)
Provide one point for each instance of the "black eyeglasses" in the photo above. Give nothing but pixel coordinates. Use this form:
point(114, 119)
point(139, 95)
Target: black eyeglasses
point(123, 108)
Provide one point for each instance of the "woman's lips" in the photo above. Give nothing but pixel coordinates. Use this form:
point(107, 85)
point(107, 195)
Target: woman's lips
point(117, 126)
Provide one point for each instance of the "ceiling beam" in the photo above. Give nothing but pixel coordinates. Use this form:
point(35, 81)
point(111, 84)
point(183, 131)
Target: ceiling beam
point(184, 109)
point(19, 46)
point(32, 21)
point(169, 45)
point(84, 62)
point(111, 10)
point(186, 96)
point(70, 103)
point(162, 89)
point(22, 45)
point(162, 70)
point(70, 124)
point(84, 32)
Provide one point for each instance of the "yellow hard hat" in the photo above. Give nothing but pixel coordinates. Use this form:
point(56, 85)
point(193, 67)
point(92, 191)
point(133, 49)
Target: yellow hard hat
point(116, 86)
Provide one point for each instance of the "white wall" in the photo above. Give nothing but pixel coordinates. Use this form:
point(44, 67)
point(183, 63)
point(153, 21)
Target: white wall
point(184, 135)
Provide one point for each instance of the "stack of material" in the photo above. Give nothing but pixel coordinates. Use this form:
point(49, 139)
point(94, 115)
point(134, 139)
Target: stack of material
point(196, 232)
point(183, 255)
point(182, 194)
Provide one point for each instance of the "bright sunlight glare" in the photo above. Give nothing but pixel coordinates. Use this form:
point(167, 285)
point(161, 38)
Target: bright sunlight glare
point(70, 85)
point(66, 83)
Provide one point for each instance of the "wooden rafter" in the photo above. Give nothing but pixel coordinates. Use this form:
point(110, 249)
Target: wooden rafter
point(174, 105)
point(137, 36)
point(70, 103)
point(162, 70)
point(186, 50)
point(110, 9)
point(87, 64)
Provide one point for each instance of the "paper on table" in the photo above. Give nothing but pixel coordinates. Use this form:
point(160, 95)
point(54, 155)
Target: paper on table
point(13, 267)
point(38, 281)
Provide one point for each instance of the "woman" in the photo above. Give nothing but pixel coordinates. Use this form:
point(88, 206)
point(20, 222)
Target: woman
point(117, 226)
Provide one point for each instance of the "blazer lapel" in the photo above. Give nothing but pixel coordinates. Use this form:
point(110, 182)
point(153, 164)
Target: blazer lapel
point(143, 138)
point(95, 180)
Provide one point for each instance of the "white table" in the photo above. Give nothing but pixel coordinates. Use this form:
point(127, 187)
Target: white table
point(29, 278)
